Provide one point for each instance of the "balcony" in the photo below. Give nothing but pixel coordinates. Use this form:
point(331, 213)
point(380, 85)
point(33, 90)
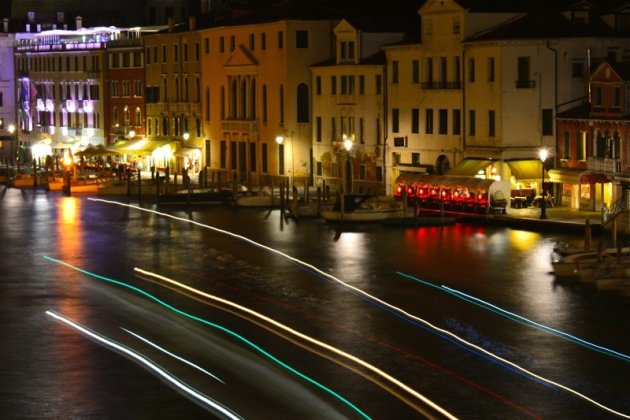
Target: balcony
point(441, 85)
point(606, 165)
point(250, 126)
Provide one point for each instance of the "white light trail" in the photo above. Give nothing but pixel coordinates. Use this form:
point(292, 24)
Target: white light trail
point(149, 364)
point(377, 300)
point(181, 359)
point(305, 337)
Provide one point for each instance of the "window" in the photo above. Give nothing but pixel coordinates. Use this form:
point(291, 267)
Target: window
point(379, 84)
point(443, 121)
point(491, 124)
point(523, 80)
point(577, 69)
point(490, 69)
point(185, 53)
point(318, 129)
point(566, 146)
point(263, 41)
point(395, 120)
point(280, 40)
point(155, 55)
point(251, 42)
point(318, 85)
point(429, 70)
point(471, 70)
point(232, 43)
point(471, 122)
point(443, 72)
point(303, 112)
point(395, 71)
point(301, 38)
point(175, 53)
point(428, 121)
point(148, 56)
point(221, 44)
point(361, 84)
point(138, 117)
point(333, 128)
point(547, 122)
point(196, 51)
point(616, 97)
point(281, 104)
point(415, 71)
point(206, 45)
point(597, 96)
point(415, 120)
point(456, 26)
point(333, 85)
point(581, 146)
point(264, 103)
point(457, 122)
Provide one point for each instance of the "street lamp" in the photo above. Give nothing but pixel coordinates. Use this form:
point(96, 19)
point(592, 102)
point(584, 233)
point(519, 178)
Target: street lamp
point(186, 136)
point(542, 153)
point(347, 144)
point(67, 164)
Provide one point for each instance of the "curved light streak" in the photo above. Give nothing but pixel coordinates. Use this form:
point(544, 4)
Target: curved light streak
point(519, 318)
point(395, 309)
point(220, 328)
point(173, 355)
point(146, 362)
point(302, 336)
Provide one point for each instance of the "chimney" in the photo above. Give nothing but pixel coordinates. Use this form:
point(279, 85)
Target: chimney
point(171, 24)
point(79, 22)
point(192, 22)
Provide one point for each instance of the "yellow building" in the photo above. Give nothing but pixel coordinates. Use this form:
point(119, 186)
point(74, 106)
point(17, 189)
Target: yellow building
point(349, 108)
point(173, 99)
point(256, 90)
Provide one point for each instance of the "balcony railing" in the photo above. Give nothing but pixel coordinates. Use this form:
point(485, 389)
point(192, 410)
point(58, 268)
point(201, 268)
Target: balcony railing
point(601, 164)
point(441, 85)
point(240, 125)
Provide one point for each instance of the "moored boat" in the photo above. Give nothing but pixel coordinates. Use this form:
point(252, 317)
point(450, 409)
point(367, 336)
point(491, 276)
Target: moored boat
point(364, 208)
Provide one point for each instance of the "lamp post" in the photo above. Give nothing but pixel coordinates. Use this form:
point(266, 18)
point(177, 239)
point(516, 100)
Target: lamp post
point(67, 164)
point(347, 144)
point(542, 153)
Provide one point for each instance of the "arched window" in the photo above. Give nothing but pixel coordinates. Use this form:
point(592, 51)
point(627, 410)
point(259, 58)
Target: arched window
point(233, 97)
point(138, 121)
point(207, 104)
point(222, 102)
point(264, 103)
point(185, 89)
point(164, 89)
point(127, 116)
point(281, 104)
point(197, 90)
point(302, 103)
point(252, 100)
point(243, 101)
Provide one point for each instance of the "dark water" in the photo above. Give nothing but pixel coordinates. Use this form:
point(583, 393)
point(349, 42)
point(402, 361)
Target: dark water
point(52, 370)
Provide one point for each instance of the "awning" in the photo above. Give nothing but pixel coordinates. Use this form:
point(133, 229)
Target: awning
point(469, 167)
point(188, 151)
point(526, 169)
point(594, 178)
point(138, 146)
point(565, 175)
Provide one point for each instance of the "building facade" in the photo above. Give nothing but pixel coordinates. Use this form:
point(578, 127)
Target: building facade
point(349, 108)
point(8, 114)
point(256, 87)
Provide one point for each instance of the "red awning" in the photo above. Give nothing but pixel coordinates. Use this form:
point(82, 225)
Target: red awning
point(594, 178)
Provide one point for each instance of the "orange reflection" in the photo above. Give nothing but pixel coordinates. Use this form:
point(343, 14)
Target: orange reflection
point(69, 228)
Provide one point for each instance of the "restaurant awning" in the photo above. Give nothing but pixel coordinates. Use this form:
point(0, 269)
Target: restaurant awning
point(530, 169)
point(469, 167)
point(138, 146)
point(188, 151)
point(594, 178)
point(565, 175)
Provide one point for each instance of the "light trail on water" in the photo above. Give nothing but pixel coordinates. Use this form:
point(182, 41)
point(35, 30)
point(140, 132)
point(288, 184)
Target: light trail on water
point(207, 401)
point(163, 350)
point(220, 328)
point(520, 319)
point(385, 305)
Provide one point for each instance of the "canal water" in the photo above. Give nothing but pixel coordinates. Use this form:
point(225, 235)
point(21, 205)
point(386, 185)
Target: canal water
point(469, 316)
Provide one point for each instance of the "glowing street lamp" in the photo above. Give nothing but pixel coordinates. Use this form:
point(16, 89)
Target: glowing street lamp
point(186, 136)
point(67, 164)
point(347, 144)
point(542, 153)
